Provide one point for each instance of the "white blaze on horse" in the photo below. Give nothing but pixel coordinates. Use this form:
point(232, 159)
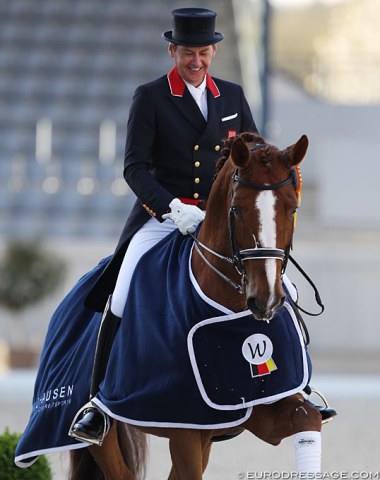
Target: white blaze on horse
point(237, 261)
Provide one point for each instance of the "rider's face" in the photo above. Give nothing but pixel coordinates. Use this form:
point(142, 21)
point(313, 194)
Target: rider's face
point(192, 62)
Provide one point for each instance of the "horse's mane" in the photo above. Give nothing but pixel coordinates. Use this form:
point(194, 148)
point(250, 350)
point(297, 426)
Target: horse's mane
point(247, 137)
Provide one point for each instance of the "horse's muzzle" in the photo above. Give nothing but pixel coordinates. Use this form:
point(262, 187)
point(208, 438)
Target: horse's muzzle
point(265, 311)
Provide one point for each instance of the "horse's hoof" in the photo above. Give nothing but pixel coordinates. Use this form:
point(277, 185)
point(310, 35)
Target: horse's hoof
point(90, 425)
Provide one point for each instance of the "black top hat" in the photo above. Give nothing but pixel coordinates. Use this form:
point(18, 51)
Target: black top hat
point(193, 27)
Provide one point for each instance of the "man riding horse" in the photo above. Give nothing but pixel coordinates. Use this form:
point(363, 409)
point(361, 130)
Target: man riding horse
point(174, 136)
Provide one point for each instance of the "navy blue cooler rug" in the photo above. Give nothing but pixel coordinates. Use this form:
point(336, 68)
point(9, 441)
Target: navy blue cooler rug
point(178, 360)
point(63, 379)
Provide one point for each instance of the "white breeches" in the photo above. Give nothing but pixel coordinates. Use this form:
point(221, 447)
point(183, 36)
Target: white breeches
point(144, 239)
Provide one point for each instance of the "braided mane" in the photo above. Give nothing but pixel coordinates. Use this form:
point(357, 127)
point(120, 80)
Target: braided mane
point(247, 137)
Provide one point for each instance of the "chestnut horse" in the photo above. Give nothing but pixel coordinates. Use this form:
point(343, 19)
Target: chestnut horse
point(243, 243)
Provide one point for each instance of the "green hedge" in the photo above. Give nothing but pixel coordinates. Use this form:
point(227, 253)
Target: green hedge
point(28, 273)
point(8, 471)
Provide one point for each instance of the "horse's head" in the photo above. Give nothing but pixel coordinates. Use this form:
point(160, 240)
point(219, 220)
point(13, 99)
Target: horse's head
point(264, 199)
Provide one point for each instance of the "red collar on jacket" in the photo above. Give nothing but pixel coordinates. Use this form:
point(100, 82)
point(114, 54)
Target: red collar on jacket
point(177, 85)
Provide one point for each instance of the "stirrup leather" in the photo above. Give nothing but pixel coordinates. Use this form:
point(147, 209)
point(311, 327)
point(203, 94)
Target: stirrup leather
point(78, 436)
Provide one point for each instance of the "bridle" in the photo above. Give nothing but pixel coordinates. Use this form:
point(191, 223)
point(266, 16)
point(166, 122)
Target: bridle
point(239, 256)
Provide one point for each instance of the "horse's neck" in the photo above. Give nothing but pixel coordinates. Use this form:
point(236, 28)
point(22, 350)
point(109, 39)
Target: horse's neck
point(214, 233)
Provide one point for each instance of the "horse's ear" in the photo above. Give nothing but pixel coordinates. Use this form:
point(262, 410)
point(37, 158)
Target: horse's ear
point(239, 153)
point(298, 150)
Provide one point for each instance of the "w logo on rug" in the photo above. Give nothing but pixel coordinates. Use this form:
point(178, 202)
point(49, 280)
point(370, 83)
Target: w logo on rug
point(257, 349)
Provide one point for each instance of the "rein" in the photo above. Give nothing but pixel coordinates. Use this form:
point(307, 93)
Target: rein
point(296, 308)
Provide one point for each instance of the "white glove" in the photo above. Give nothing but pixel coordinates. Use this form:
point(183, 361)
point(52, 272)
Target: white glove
point(186, 217)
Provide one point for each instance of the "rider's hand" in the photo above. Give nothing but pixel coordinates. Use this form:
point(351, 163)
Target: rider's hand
point(186, 217)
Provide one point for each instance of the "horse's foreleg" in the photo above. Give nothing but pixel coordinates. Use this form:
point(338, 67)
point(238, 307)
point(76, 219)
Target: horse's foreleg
point(275, 421)
point(290, 416)
point(188, 450)
point(307, 439)
point(109, 457)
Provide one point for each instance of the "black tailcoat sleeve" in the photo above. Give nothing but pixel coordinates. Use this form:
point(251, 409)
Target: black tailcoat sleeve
point(140, 162)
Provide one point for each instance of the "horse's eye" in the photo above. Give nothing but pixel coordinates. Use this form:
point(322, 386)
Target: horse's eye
point(237, 211)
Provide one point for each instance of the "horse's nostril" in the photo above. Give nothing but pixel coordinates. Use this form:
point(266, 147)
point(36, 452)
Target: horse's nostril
point(251, 304)
point(264, 312)
point(259, 311)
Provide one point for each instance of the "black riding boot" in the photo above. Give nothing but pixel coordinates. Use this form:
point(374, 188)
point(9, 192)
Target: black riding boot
point(326, 411)
point(90, 423)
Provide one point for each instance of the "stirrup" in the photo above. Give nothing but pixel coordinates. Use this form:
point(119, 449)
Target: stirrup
point(324, 400)
point(79, 437)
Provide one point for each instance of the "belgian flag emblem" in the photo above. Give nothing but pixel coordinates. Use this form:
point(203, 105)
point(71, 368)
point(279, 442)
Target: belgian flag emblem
point(258, 350)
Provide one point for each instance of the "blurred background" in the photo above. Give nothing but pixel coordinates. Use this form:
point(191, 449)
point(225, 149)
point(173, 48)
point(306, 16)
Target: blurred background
point(68, 70)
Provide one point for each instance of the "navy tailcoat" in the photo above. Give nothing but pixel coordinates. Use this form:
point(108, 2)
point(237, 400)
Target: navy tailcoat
point(171, 151)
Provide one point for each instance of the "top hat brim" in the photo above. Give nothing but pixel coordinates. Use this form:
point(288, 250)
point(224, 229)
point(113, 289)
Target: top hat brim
point(193, 40)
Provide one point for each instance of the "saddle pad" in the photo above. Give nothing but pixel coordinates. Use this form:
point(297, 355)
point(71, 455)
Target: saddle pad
point(240, 362)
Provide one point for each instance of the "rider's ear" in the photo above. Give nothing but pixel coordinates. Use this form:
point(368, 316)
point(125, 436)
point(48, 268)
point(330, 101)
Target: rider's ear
point(171, 49)
point(239, 153)
point(297, 151)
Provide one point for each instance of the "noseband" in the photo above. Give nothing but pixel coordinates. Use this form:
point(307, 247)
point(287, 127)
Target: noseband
point(239, 256)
